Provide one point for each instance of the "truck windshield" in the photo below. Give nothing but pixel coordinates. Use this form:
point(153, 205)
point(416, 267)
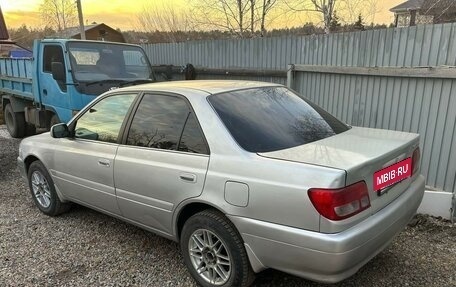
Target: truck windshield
point(92, 61)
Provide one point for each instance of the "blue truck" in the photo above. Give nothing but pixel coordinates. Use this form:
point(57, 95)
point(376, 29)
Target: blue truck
point(62, 77)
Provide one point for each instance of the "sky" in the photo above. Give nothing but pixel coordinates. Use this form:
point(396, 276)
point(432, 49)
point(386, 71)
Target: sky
point(121, 13)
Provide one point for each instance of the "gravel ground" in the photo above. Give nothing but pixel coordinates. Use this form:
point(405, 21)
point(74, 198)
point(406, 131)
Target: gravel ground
point(86, 248)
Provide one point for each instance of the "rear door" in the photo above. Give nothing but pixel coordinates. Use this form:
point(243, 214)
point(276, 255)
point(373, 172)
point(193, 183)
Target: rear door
point(164, 161)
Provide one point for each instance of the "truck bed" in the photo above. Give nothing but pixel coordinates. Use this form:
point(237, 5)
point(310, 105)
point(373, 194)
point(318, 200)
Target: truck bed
point(16, 77)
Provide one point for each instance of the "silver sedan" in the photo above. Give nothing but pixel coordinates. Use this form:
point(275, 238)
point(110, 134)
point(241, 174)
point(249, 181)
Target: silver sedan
point(244, 175)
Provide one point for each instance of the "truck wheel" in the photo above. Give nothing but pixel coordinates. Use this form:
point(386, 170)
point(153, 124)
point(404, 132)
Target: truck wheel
point(54, 120)
point(214, 252)
point(15, 122)
point(30, 130)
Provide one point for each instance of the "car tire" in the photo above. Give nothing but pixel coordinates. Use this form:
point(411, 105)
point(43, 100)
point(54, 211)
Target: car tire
point(214, 252)
point(15, 122)
point(43, 191)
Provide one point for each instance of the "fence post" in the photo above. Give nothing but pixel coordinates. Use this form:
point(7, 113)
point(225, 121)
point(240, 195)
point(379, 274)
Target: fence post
point(290, 76)
point(453, 208)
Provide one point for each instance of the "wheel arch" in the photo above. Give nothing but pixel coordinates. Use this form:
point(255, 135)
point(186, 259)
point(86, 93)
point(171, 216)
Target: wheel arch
point(187, 210)
point(5, 100)
point(29, 160)
point(18, 104)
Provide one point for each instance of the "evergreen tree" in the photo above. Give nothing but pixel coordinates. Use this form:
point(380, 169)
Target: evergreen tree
point(335, 24)
point(359, 25)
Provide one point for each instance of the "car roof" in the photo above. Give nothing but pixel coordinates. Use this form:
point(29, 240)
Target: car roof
point(198, 86)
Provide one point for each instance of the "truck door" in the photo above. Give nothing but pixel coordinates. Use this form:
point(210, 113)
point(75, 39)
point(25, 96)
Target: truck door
point(54, 95)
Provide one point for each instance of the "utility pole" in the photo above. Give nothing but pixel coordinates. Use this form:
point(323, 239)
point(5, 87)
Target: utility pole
point(81, 20)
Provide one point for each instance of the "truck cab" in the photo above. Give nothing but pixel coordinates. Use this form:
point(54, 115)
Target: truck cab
point(62, 77)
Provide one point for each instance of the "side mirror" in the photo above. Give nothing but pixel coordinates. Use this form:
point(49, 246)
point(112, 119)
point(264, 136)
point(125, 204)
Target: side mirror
point(58, 71)
point(60, 131)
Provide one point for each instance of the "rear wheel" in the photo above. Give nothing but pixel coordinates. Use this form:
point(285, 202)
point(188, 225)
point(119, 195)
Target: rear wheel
point(15, 122)
point(43, 191)
point(214, 252)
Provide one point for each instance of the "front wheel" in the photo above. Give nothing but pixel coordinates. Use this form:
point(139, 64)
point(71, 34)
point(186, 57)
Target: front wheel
point(214, 252)
point(53, 121)
point(43, 190)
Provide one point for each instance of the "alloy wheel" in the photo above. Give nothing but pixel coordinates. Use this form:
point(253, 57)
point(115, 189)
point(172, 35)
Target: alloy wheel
point(210, 257)
point(41, 189)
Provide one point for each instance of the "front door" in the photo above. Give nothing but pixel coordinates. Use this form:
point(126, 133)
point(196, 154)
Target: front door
point(84, 165)
point(53, 93)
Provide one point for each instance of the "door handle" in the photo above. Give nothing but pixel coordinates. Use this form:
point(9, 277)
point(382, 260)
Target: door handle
point(45, 92)
point(104, 162)
point(189, 177)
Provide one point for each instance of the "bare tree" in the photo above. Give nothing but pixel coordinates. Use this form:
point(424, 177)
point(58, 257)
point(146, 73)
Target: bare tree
point(226, 15)
point(164, 17)
point(351, 9)
point(267, 6)
point(59, 14)
point(348, 10)
point(325, 8)
point(240, 17)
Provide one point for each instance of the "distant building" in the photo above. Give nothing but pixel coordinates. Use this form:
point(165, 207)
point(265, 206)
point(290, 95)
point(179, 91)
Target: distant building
point(99, 32)
point(414, 12)
point(7, 47)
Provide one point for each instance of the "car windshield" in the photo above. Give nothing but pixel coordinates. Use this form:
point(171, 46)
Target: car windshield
point(92, 61)
point(273, 118)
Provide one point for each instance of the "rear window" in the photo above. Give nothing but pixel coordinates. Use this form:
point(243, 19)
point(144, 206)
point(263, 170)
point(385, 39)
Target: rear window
point(273, 118)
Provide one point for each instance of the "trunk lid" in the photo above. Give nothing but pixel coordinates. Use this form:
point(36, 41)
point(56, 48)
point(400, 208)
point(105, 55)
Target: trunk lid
point(360, 152)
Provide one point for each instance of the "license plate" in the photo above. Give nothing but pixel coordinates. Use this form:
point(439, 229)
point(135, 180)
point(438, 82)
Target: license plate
point(392, 174)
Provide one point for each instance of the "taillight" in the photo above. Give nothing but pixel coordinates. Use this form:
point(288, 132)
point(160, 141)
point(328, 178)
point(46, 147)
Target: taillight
point(338, 204)
point(416, 160)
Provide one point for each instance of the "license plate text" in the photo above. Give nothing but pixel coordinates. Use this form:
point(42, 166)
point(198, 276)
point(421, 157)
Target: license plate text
point(392, 174)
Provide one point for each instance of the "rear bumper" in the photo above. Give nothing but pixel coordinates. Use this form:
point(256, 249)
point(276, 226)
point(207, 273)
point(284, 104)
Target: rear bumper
point(323, 257)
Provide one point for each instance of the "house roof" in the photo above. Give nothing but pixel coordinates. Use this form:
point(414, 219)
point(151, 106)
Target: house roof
point(3, 31)
point(438, 6)
point(73, 31)
point(426, 6)
point(407, 6)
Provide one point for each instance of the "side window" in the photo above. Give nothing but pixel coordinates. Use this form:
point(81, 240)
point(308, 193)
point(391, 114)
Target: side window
point(166, 122)
point(102, 122)
point(158, 122)
point(54, 54)
point(192, 138)
point(136, 64)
